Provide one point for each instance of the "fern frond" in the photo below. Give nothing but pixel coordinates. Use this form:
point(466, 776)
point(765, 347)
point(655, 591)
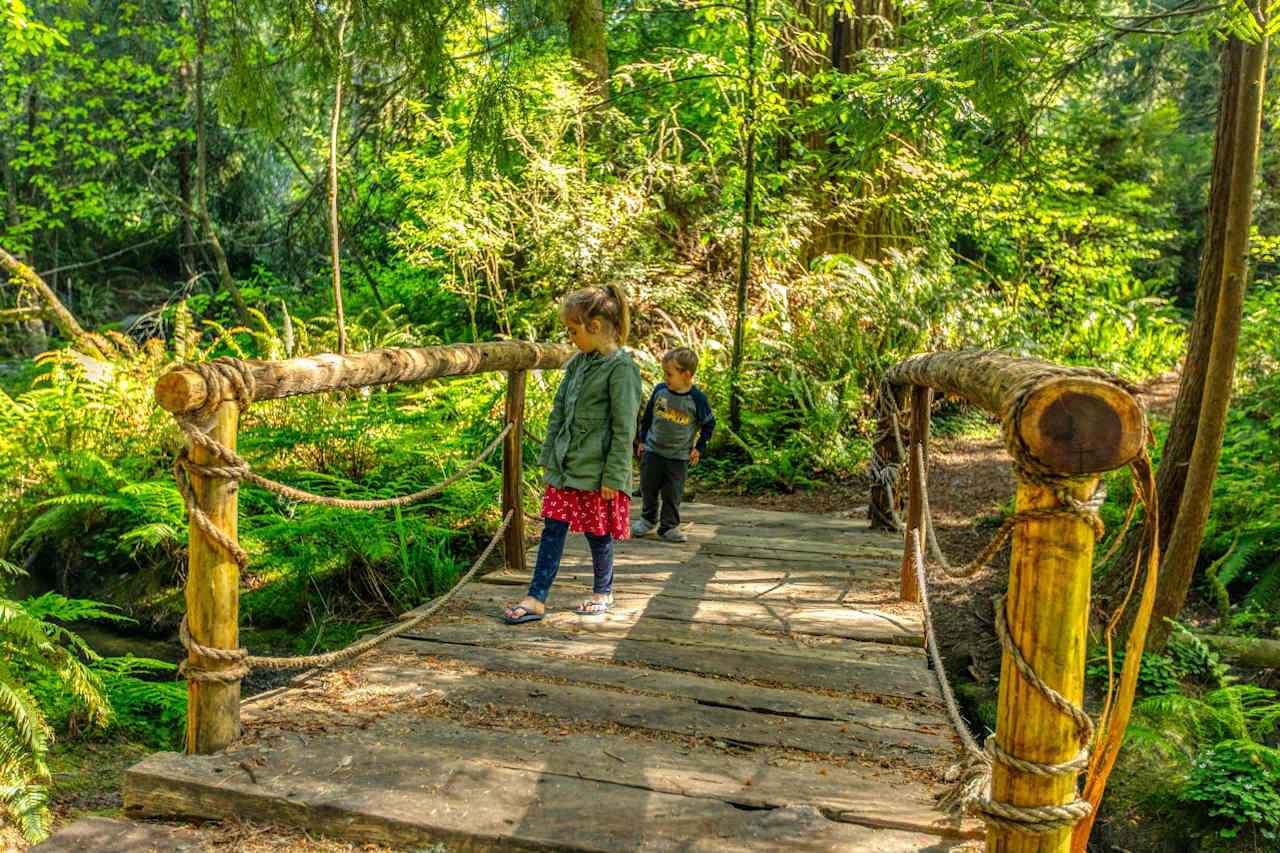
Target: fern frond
point(1265, 594)
point(226, 337)
point(1238, 556)
point(86, 686)
point(53, 605)
point(19, 711)
point(26, 804)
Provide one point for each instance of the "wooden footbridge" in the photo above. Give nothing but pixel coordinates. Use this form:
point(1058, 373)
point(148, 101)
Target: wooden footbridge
point(763, 686)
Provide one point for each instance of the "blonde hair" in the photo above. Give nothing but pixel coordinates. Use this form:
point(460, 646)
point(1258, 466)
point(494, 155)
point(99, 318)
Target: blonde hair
point(607, 304)
point(683, 358)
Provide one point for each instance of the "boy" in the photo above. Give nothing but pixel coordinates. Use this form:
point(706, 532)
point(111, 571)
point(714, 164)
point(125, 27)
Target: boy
point(674, 431)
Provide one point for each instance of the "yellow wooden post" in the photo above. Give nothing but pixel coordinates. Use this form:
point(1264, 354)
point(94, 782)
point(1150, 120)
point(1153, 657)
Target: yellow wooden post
point(921, 400)
point(213, 603)
point(512, 468)
point(1047, 611)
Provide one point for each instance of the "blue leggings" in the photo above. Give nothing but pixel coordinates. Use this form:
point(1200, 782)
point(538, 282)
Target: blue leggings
point(551, 547)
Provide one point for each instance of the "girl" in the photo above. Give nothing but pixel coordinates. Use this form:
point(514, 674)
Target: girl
point(586, 456)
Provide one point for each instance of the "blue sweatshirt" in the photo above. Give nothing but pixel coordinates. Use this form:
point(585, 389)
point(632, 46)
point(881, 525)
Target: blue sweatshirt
point(675, 424)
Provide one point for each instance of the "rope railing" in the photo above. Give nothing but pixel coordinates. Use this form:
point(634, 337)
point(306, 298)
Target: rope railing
point(247, 662)
point(973, 792)
point(237, 469)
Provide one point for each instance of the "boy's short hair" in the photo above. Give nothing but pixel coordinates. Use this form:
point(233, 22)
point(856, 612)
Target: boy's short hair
point(683, 358)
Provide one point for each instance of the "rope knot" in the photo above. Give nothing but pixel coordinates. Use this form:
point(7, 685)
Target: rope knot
point(220, 375)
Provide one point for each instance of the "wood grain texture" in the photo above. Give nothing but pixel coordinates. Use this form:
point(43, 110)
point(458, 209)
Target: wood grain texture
point(756, 700)
point(183, 390)
point(1077, 420)
point(1048, 607)
point(213, 598)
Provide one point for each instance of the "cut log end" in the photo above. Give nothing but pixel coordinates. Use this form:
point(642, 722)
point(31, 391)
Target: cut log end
point(1082, 426)
point(180, 391)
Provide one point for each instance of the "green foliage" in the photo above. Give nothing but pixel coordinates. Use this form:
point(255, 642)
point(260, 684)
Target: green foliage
point(1186, 663)
point(1232, 777)
point(1238, 781)
point(1243, 532)
point(34, 649)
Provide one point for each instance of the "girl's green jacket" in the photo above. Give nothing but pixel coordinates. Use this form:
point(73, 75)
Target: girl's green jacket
point(593, 423)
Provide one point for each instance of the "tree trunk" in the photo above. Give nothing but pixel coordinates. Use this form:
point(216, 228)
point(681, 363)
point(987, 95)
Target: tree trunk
point(182, 390)
point(334, 232)
point(873, 228)
point(1171, 474)
point(27, 278)
point(748, 222)
point(202, 206)
point(186, 235)
point(585, 20)
point(1244, 90)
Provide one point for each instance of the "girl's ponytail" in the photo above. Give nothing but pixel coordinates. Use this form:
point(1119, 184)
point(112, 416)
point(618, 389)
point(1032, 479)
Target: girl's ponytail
point(622, 325)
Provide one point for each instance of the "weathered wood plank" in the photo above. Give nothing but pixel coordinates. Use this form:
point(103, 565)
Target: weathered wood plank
point(118, 836)
point(705, 539)
point(898, 623)
point(776, 589)
point(800, 649)
point(851, 793)
point(707, 691)
point(704, 513)
point(740, 655)
point(417, 797)
point(665, 558)
point(899, 747)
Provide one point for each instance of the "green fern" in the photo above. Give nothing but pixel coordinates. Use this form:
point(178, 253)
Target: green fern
point(33, 649)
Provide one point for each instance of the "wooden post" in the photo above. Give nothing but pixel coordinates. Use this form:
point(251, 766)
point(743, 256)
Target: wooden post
point(1048, 610)
point(512, 467)
point(921, 400)
point(213, 604)
point(885, 501)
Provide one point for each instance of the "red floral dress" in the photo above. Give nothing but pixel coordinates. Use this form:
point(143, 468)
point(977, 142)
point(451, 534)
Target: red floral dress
point(587, 512)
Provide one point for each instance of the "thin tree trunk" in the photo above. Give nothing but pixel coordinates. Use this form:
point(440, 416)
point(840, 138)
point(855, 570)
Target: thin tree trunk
point(1171, 474)
point(334, 234)
point(186, 235)
point(748, 217)
point(27, 278)
point(202, 201)
point(1179, 561)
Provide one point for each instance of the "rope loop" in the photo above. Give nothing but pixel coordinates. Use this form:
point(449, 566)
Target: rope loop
point(220, 375)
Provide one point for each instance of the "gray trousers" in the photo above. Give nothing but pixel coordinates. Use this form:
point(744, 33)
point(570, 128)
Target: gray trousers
point(662, 477)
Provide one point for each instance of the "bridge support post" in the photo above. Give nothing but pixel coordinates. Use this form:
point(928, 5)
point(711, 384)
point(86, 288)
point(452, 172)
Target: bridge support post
point(212, 593)
point(512, 472)
point(1047, 611)
point(921, 401)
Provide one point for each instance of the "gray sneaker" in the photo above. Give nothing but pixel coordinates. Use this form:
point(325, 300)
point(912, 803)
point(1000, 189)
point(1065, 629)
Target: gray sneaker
point(675, 534)
point(640, 527)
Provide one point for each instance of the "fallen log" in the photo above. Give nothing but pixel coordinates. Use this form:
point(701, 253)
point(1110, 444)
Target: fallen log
point(25, 276)
point(1253, 652)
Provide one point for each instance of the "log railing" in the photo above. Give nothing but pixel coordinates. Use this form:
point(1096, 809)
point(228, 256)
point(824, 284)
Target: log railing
point(1063, 427)
point(207, 401)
